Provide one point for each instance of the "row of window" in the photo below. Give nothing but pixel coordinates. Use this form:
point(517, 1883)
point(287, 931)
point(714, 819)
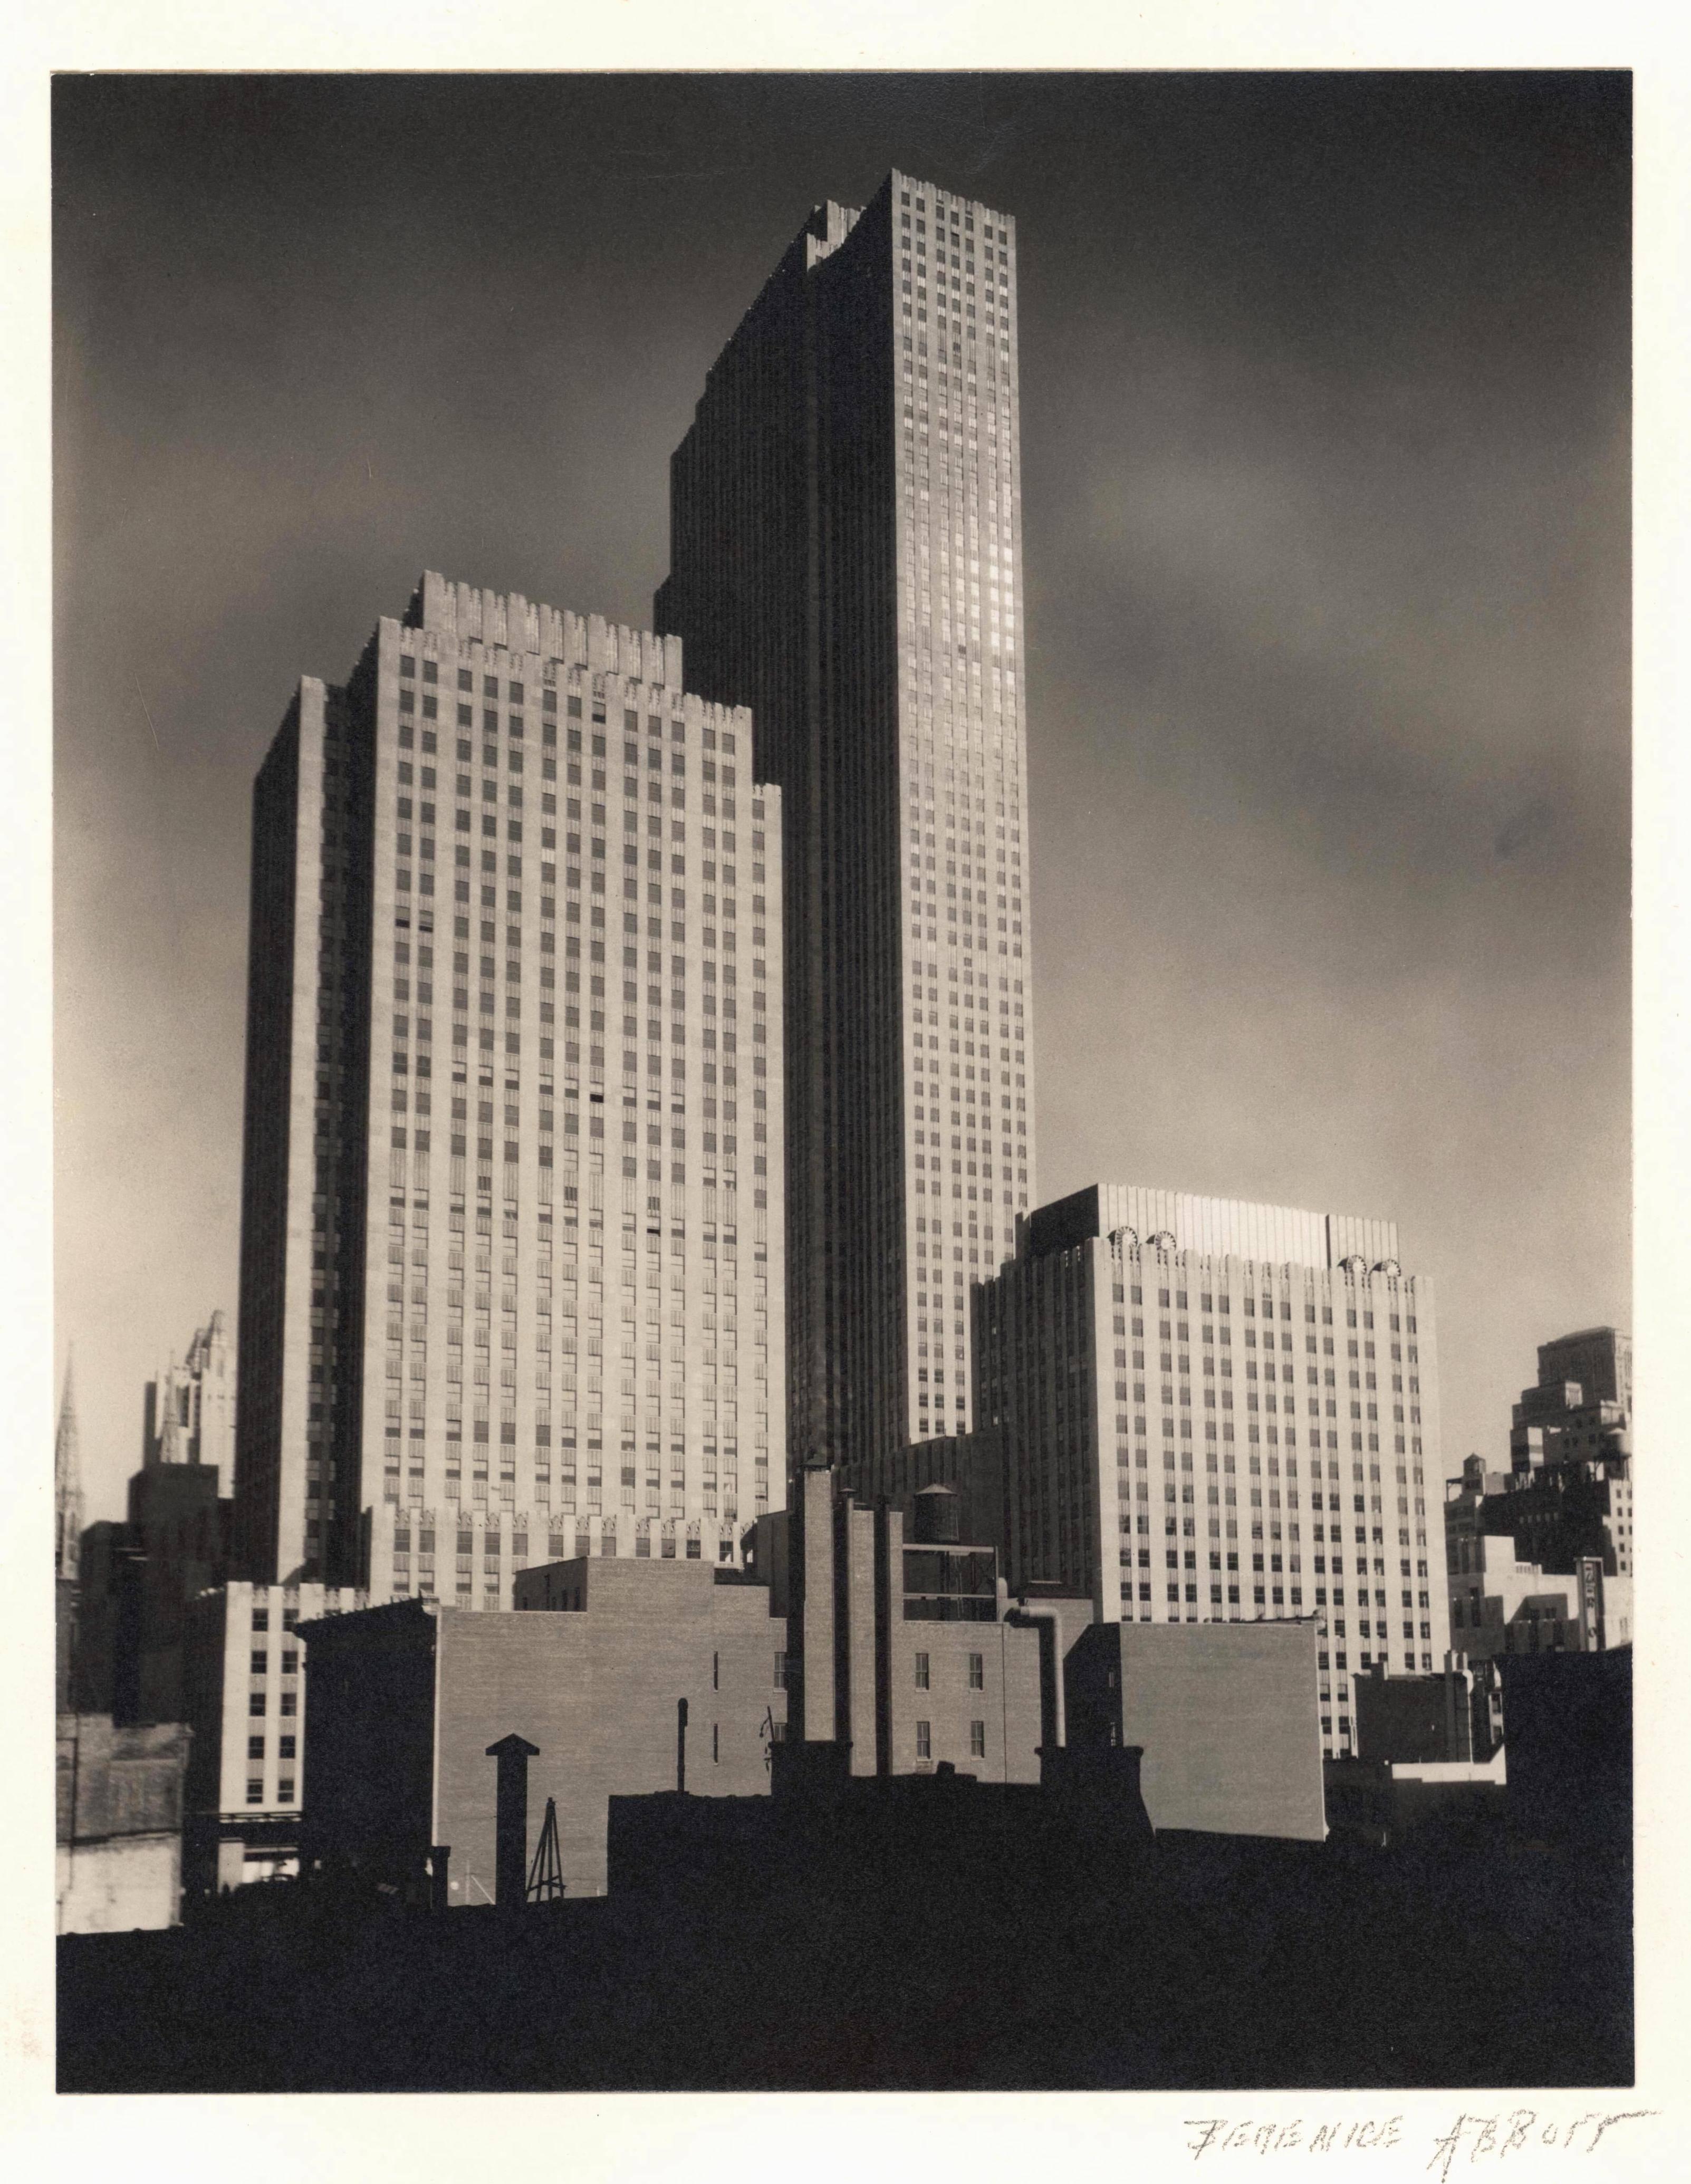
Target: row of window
point(924, 1740)
point(1222, 1302)
point(974, 1671)
point(515, 693)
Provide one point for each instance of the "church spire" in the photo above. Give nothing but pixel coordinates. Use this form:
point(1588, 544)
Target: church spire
point(67, 1484)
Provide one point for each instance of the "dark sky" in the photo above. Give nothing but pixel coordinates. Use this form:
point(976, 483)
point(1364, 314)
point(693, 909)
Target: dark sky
point(1325, 386)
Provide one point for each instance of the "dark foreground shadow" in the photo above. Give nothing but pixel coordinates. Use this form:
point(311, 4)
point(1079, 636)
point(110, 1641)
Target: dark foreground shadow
point(1203, 1961)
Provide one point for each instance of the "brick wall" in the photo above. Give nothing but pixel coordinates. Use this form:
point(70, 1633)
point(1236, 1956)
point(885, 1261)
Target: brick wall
point(596, 1693)
point(1007, 1705)
point(1227, 1715)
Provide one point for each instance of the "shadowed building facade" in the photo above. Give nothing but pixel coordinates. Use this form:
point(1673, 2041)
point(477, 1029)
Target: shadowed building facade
point(407, 1699)
point(142, 1574)
point(845, 559)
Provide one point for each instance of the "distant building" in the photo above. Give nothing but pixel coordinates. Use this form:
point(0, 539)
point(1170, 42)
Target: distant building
point(67, 1488)
point(67, 1546)
point(1202, 1411)
point(119, 1798)
point(189, 1410)
point(1501, 1604)
point(1571, 1454)
point(176, 1541)
point(1540, 1556)
point(1580, 1408)
point(180, 1531)
point(105, 1668)
point(243, 1674)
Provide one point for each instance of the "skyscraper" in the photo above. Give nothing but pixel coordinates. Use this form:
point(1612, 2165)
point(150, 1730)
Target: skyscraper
point(511, 866)
point(845, 559)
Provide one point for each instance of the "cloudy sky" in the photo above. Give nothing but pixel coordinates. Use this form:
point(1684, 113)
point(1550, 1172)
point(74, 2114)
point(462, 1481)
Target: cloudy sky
point(1325, 463)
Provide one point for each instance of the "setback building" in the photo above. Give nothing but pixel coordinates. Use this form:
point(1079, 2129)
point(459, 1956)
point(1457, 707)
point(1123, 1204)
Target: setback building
point(512, 864)
point(514, 867)
point(1207, 1411)
point(846, 560)
point(1540, 1556)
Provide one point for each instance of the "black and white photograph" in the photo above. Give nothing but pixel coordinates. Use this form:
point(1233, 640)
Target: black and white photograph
point(842, 1032)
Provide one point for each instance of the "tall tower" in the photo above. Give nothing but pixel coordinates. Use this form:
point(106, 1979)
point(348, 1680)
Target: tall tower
point(845, 559)
point(510, 1250)
point(67, 1486)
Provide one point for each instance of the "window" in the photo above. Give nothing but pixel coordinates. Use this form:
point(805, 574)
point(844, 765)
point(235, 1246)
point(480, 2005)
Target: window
point(977, 1672)
point(977, 1740)
point(255, 1748)
point(924, 1738)
point(780, 1672)
point(922, 1671)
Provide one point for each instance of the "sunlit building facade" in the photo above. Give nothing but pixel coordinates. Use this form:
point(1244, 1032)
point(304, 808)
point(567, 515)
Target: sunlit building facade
point(1200, 1410)
point(846, 561)
point(511, 1248)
